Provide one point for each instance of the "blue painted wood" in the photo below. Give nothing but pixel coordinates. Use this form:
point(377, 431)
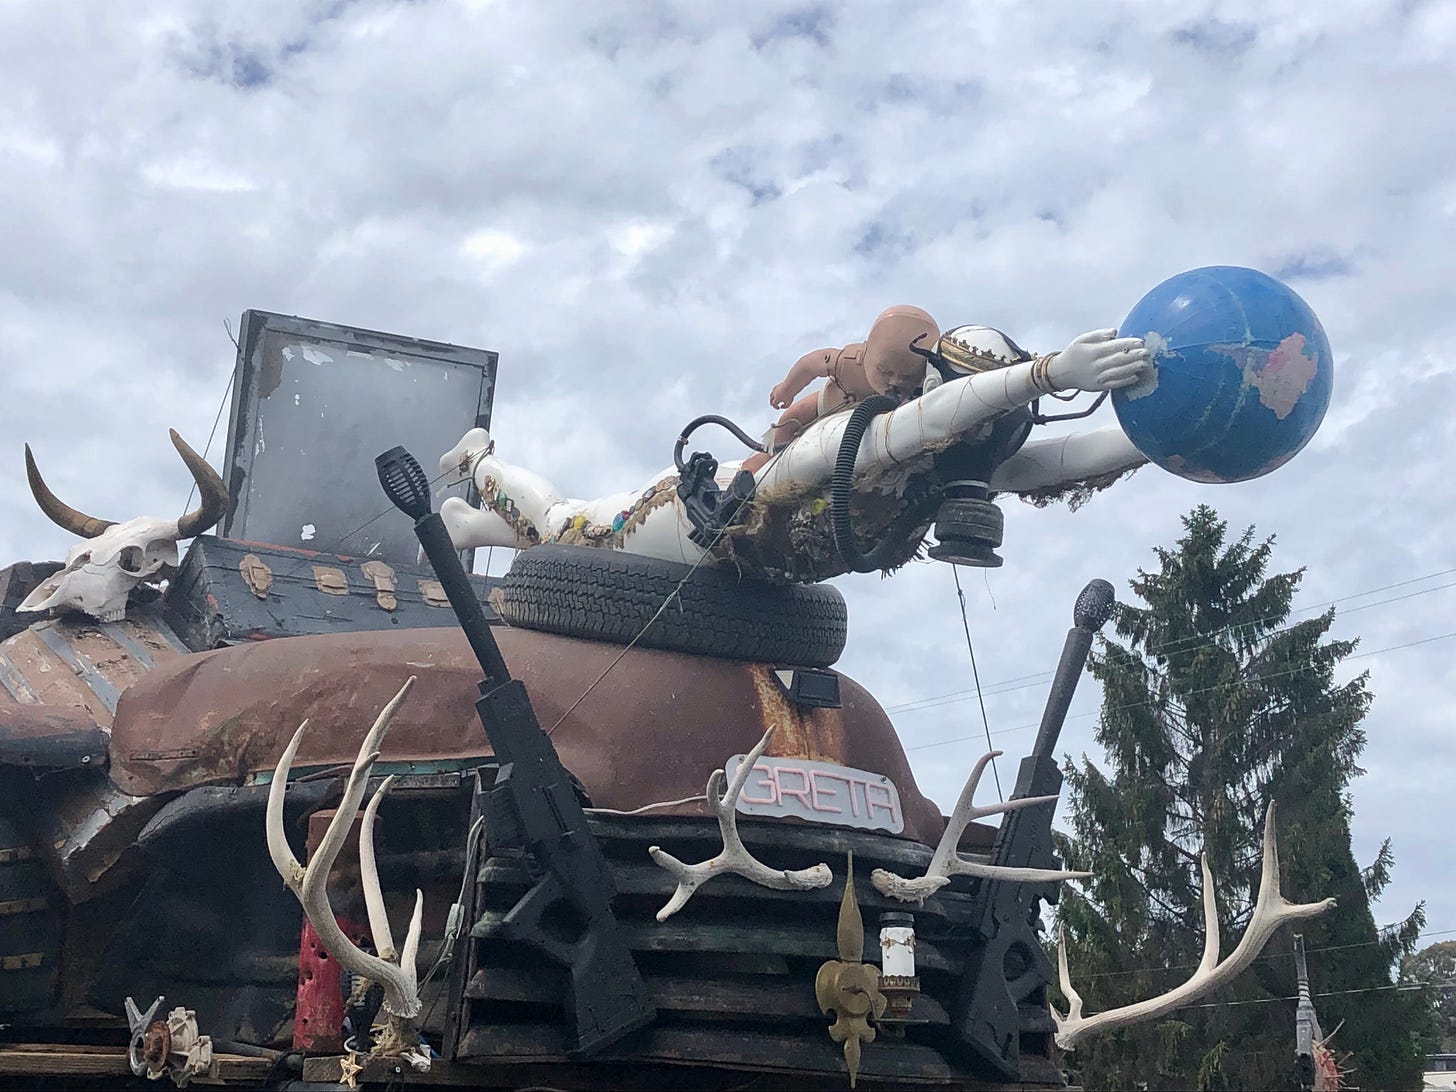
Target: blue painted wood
point(55, 640)
point(209, 604)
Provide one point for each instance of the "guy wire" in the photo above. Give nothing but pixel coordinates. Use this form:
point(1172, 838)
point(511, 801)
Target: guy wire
point(976, 675)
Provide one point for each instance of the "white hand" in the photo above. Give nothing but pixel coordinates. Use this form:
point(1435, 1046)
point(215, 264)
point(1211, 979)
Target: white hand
point(1100, 361)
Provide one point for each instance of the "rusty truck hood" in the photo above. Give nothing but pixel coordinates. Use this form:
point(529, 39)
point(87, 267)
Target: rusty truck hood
point(651, 730)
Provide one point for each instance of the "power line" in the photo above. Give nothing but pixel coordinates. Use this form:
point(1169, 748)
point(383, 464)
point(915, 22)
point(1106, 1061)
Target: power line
point(1191, 693)
point(1320, 606)
point(1261, 959)
point(996, 687)
point(1039, 678)
point(1398, 987)
point(217, 419)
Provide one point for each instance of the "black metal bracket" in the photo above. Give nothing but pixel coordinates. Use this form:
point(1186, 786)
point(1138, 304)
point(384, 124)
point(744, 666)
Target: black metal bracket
point(709, 508)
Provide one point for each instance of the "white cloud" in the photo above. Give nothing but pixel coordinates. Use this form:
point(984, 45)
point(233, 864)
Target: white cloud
point(493, 248)
point(651, 210)
point(192, 173)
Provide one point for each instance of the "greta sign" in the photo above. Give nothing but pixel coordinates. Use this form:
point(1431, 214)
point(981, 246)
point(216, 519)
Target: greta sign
point(819, 792)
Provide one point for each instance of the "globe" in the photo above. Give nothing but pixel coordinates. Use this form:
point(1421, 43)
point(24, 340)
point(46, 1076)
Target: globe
point(1241, 378)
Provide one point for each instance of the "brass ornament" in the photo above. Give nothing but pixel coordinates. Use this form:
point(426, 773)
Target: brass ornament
point(848, 987)
point(349, 1069)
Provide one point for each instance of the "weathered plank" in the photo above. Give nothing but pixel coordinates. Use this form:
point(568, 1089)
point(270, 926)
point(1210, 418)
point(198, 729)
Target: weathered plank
point(79, 1060)
point(765, 998)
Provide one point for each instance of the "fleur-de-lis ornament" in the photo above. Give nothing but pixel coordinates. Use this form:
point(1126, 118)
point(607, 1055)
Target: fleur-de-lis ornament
point(849, 987)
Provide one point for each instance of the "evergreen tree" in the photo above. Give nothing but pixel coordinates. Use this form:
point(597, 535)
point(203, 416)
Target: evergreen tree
point(1214, 705)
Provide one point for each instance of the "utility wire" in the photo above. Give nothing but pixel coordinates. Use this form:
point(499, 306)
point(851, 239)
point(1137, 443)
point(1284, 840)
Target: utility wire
point(1233, 627)
point(1039, 678)
point(1267, 957)
point(1399, 987)
point(1191, 693)
point(187, 504)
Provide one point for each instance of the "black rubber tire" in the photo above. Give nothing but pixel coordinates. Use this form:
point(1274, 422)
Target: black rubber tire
point(611, 595)
point(960, 519)
point(32, 913)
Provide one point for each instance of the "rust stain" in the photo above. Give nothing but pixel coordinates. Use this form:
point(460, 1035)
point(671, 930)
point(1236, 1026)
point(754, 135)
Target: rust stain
point(274, 548)
point(108, 657)
point(799, 732)
point(52, 678)
point(157, 646)
point(650, 731)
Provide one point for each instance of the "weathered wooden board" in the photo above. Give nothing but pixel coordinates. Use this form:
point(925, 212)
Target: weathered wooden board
point(77, 663)
point(75, 1060)
point(228, 592)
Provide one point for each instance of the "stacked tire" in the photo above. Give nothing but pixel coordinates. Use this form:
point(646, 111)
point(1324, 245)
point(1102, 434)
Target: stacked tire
point(620, 597)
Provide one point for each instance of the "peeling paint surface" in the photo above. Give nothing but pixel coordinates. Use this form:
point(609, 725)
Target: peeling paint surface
point(316, 466)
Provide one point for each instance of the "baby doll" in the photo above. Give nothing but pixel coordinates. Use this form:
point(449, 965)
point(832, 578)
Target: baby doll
point(884, 363)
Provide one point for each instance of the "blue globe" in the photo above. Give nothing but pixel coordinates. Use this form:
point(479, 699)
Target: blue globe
point(1241, 380)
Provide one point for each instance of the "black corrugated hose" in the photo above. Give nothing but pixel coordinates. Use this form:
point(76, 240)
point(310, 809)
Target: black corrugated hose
point(892, 543)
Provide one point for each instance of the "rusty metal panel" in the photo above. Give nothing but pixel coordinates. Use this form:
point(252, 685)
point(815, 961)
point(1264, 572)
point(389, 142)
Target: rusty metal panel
point(51, 677)
point(44, 737)
point(313, 403)
point(14, 686)
point(651, 729)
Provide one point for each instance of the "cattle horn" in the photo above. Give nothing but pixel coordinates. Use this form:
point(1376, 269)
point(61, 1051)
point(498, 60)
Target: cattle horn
point(61, 513)
point(214, 503)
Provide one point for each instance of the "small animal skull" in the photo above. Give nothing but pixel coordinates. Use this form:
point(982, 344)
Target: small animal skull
point(101, 573)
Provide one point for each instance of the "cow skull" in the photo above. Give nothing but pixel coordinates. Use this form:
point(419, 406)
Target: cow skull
point(100, 573)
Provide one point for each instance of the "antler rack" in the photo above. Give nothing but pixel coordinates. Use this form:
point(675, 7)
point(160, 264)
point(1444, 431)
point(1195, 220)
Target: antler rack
point(395, 971)
point(948, 863)
point(1271, 910)
point(734, 858)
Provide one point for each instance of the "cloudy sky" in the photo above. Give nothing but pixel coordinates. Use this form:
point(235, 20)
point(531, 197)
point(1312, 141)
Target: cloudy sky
point(650, 209)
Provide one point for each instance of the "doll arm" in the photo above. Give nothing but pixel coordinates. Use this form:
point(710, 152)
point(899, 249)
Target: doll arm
point(818, 364)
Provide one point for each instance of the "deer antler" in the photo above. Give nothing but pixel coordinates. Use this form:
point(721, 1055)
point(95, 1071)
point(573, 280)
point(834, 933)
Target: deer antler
point(734, 858)
point(947, 862)
point(401, 990)
point(1270, 911)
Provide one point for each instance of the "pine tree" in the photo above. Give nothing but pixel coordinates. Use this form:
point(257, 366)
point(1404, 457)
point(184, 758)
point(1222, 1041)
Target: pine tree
point(1214, 704)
